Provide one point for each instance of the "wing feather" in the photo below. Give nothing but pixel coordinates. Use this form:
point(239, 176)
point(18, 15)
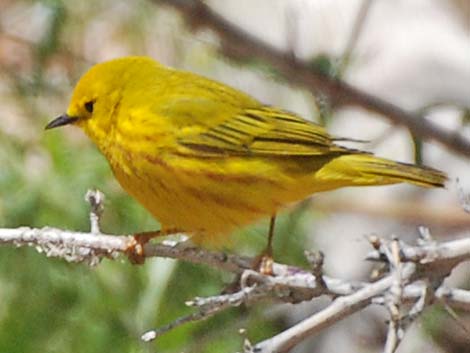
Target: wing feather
point(263, 131)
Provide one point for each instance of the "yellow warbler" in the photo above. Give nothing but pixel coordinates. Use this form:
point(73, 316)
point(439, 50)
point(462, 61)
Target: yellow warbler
point(205, 158)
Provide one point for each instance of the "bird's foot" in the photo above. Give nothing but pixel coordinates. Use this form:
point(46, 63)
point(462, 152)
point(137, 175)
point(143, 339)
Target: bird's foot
point(135, 250)
point(264, 264)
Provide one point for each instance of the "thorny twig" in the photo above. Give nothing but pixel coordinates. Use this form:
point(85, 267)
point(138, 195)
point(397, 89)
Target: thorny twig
point(96, 199)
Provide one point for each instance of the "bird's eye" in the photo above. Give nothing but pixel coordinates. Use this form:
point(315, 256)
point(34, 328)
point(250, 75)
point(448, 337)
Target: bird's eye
point(89, 106)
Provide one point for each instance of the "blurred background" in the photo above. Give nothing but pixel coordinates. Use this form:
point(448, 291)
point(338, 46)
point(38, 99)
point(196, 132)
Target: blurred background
point(413, 53)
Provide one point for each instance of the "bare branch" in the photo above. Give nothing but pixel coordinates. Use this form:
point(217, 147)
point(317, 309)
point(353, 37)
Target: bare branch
point(442, 257)
point(96, 199)
point(456, 298)
point(238, 44)
point(338, 309)
point(208, 307)
point(394, 298)
point(91, 248)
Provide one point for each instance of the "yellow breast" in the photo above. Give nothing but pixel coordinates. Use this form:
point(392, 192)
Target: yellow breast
point(208, 199)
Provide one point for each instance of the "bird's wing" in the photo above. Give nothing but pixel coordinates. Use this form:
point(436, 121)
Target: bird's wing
point(263, 131)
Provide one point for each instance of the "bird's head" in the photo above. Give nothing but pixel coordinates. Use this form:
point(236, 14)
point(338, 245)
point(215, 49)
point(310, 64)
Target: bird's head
point(98, 94)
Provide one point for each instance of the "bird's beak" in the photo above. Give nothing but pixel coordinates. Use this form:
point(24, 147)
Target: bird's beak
point(62, 120)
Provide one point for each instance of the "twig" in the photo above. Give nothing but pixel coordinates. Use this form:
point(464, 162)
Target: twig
point(90, 248)
point(238, 44)
point(316, 260)
point(456, 298)
point(338, 309)
point(208, 307)
point(96, 199)
point(294, 288)
point(443, 256)
point(394, 298)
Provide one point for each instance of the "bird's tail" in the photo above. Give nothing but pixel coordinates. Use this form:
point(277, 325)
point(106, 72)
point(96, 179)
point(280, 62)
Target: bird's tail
point(364, 169)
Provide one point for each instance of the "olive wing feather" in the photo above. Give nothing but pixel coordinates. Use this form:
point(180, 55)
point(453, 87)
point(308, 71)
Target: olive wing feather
point(263, 131)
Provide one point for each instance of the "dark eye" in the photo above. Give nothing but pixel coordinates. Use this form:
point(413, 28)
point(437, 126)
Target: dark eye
point(89, 106)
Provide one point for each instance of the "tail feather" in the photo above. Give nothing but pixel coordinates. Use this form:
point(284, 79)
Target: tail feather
point(375, 171)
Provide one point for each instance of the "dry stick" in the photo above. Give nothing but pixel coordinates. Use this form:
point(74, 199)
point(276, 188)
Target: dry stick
point(91, 248)
point(280, 288)
point(96, 199)
point(394, 298)
point(443, 256)
point(238, 45)
point(208, 307)
point(337, 310)
point(391, 289)
point(456, 298)
point(271, 287)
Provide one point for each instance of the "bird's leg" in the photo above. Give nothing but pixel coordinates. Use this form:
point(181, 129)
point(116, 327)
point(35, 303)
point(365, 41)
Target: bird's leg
point(264, 261)
point(135, 250)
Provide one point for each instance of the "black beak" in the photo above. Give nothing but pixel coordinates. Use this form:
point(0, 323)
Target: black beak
point(62, 120)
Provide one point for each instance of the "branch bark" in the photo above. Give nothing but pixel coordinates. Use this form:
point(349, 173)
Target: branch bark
point(337, 310)
point(91, 248)
point(239, 45)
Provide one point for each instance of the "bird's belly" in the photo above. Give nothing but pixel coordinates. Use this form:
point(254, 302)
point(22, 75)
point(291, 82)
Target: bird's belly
point(200, 201)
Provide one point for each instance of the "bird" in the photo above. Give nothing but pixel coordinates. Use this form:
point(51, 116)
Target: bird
point(205, 158)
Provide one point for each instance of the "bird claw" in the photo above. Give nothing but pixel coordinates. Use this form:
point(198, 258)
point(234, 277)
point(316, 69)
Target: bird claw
point(135, 250)
point(265, 265)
